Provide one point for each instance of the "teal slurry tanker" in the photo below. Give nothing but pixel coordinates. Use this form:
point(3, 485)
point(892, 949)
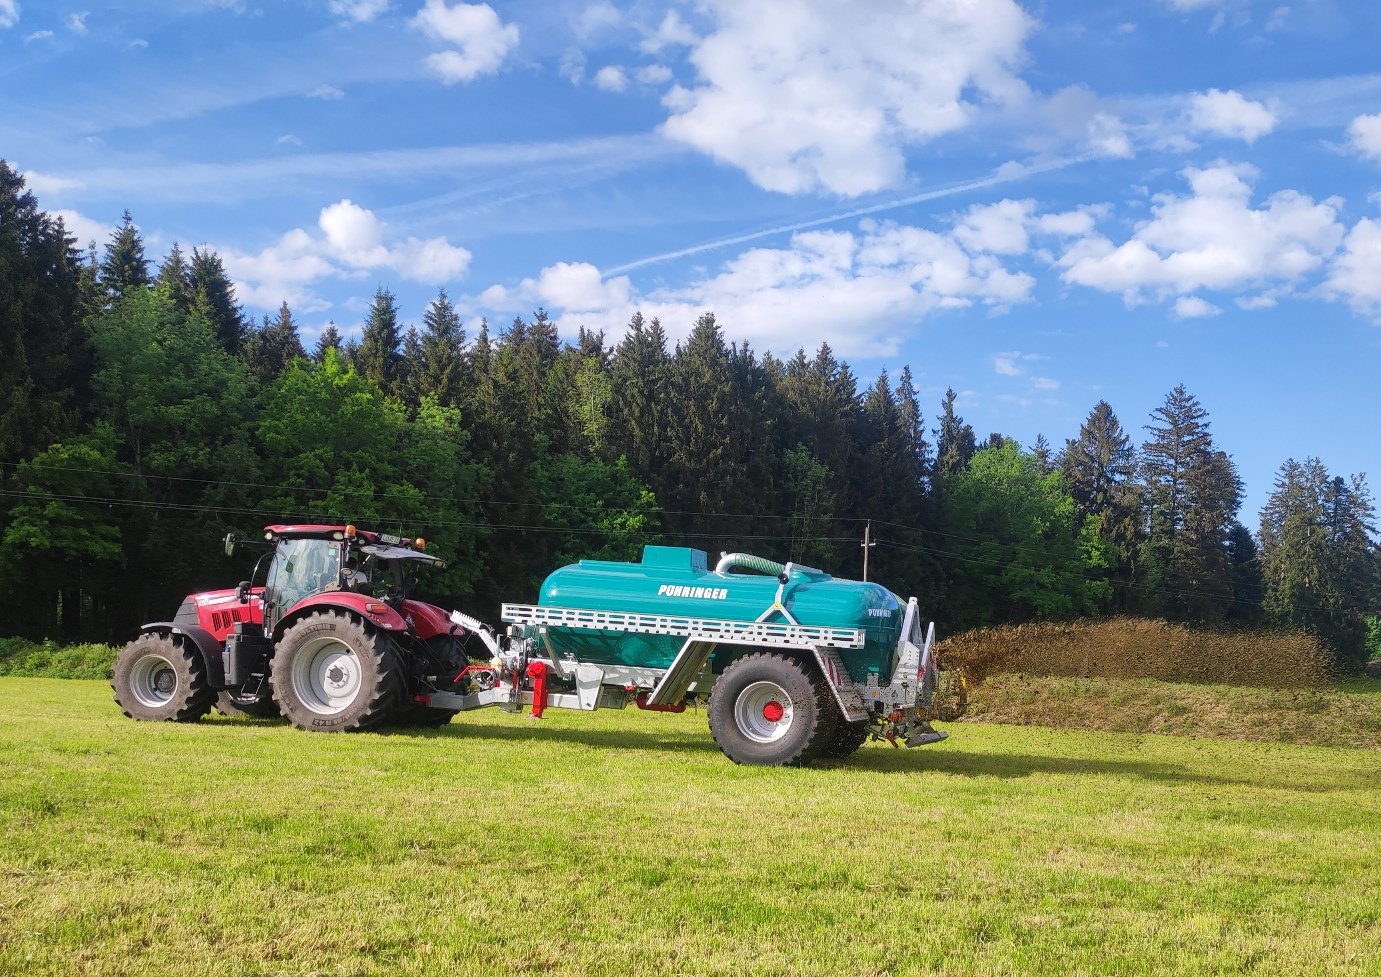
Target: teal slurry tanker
point(797, 665)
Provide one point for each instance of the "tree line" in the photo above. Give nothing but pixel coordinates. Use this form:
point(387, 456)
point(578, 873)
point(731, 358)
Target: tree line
point(143, 415)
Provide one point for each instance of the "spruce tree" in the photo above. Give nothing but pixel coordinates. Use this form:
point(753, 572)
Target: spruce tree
point(638, 411)
point(380, 353)
point(275, 345)
point(441, 367)
point(954, 440)
point(1192, 493)
point(1100, 466)
point(328, 340)
point(213, 299)
point(45, 361)
point(1317, 557)
point(174, 280)
point(125, 268)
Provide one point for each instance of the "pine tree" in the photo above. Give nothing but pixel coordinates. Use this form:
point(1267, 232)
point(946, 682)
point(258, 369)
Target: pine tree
point(1045, 458)
point(213, 299)
point(125, 267)
point(380, 354)
point(410, 369)
point(1192, 493)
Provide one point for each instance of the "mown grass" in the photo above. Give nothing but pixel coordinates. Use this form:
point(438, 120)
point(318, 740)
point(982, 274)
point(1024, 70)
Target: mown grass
point(619, 843)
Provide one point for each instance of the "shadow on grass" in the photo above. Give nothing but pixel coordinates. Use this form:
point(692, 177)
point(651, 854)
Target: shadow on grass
point(537, 733)
point(1009, 766)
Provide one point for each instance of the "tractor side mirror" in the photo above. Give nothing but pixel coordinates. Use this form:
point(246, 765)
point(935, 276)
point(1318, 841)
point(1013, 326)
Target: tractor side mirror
point(229, 544)
point(242, 591)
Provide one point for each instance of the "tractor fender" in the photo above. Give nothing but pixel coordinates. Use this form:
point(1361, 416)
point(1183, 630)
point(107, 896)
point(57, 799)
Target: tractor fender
point(205, 642)
point(372, 609)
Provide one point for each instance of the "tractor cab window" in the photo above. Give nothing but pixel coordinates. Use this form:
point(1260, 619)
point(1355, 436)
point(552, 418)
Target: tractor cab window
point(300, 568)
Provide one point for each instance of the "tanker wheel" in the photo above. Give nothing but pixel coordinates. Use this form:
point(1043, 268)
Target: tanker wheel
point(161, 678)
point(330, 673)
point(231, 702)
point(771, 710)
point(848, 737)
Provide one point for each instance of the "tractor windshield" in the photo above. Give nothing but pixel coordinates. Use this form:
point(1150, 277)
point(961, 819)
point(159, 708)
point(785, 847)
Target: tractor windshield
point(300, 568)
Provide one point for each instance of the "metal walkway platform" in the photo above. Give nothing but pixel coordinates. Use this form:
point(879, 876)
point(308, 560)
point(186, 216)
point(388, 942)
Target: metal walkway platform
point(692, 628)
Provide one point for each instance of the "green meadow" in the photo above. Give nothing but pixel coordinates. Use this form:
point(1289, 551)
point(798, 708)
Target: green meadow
point(624, 842)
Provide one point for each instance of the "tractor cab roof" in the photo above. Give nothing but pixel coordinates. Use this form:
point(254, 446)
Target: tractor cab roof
point(382, 545)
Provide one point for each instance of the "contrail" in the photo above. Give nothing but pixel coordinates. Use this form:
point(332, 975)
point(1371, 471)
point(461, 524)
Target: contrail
point(1008, 173)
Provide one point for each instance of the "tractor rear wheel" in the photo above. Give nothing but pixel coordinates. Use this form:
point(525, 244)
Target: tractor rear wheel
point(331, 673)
point(161, 677)
point(771, 710)
point(232, 702)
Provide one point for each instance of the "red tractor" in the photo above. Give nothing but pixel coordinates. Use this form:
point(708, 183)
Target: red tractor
point(330, 641)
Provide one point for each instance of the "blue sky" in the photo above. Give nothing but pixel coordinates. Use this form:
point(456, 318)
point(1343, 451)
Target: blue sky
point(1039, 205)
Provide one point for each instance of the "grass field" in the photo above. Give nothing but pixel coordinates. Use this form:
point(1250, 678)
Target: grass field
point(620, 843)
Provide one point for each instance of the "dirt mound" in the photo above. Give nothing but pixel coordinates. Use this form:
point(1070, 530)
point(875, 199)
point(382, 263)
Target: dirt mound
point(1122, 648)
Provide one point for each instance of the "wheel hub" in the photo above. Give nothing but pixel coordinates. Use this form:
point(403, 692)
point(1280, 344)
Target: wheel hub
point(763, 712)
point(153, 681)
point(327, 676)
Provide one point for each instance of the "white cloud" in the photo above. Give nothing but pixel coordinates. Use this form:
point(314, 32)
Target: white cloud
point(1193, 307)
point(83, 228)
point(1194, 4)
point(654, 74)
point(828, 99)
point(1231, 115)
point(999, 228)
point(288, 139)
point(854, 289)
point(597, 18)
point(1355, 276)
point(42, 184)
point(1045, 383)
point(1013, 364)
point(482, 40)
point(327, 93)
point(611, 78)
point(76, 22)
point(138, 42)
point(9, 13)
point(353, 240)
point(671, 31)
point(37, 36)
point(1211, 239)
point(360, 11)
point(1075, 116)
point(1364, 134)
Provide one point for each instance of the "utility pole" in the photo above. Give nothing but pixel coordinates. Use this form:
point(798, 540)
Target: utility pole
point(868, 544)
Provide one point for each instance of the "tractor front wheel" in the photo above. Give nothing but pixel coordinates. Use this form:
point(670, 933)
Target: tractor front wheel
point(331, 673)
point(771, 710)
point(160, 677)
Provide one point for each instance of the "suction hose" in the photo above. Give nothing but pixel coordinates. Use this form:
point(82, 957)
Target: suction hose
point(746, 561)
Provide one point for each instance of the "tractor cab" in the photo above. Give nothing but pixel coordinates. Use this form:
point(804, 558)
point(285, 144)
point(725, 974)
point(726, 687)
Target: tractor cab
point(310, 560)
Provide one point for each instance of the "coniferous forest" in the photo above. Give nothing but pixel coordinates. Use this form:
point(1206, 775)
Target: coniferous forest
point(143, 415)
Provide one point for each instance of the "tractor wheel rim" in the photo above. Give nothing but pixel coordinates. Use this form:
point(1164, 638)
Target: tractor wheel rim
point(327, 676)
point(754, 707)
point(153, 681)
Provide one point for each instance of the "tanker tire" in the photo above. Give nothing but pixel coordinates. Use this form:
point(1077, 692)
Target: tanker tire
point(161, 678)
point(332, 674)
point(260, 706)
point(848, 737)
point(758, 687)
